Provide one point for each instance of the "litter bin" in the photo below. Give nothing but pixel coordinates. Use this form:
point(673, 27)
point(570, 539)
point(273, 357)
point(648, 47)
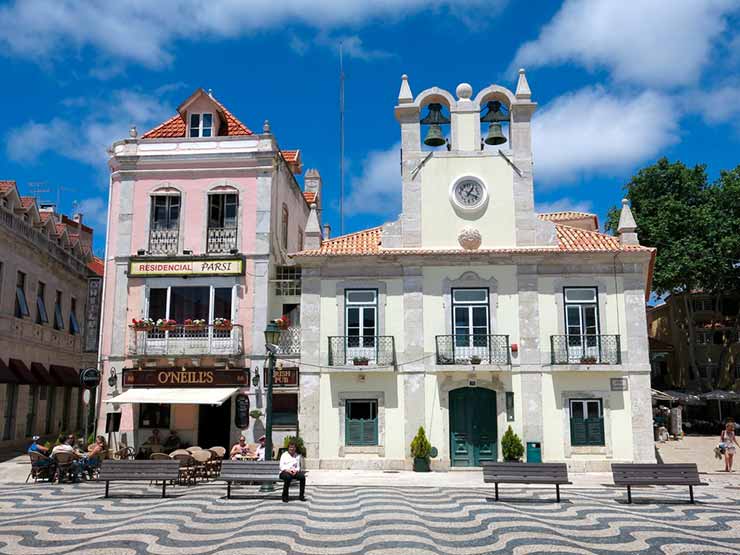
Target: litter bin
point(534, 452)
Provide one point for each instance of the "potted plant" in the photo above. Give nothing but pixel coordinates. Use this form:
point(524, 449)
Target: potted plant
point(222, 324)
point(299, 446)
point(475, 359)
point(145, 324)
point(511, 446)
point(282, 323)
point(194, 324)
point(256, 414)
point(166, 325)
point(588, 359)
point(360, 361)
point(421, 450)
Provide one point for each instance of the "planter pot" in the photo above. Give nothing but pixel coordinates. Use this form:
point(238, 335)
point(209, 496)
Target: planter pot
point(166, 328)
point(475, 361)
point(223, 328)
point(361, 362)
point(421, 464)
point(143, 328)
point(194, 328)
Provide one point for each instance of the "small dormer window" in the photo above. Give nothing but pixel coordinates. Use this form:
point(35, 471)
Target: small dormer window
point(201, 125)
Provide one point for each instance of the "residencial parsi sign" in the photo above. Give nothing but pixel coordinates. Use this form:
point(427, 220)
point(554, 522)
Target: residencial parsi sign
point(148, 267)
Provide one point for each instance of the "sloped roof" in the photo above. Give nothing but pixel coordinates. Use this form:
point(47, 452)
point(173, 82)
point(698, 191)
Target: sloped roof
point(27, 202)
point(6, 186)
point(96, 266)
point(310, 196)
point(571, 216)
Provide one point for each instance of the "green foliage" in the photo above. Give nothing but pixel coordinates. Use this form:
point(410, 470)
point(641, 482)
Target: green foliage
point(299, 447)
point(511, 446)
point(420, 446)
point(255, 413)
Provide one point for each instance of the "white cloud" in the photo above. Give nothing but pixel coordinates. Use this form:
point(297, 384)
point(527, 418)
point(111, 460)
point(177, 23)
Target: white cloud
point(565, 204)
point(145, 32)
point(86, 139)
point(593, 132)
point(378, 190)
point(717, 105)
point(94, 212)
point(651, 42)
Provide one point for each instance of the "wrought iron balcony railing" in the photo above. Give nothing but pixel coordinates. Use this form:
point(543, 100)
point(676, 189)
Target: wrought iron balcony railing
point(473, 349)
point(163, 241)
point(290, 342)
point(186, 340)
point(221, 239)
point(348, 350)
point(585, 349)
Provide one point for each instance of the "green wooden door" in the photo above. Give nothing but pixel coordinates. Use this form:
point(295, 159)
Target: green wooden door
point(472, 426)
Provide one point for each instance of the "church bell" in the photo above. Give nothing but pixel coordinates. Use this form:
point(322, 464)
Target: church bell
point(434, 119)
point(494, 117)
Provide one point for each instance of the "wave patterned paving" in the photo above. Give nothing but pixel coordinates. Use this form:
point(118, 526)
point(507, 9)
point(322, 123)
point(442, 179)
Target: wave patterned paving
point(41, 519)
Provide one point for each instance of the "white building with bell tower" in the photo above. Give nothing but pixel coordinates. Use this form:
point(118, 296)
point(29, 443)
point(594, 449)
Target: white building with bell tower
point(471, 313)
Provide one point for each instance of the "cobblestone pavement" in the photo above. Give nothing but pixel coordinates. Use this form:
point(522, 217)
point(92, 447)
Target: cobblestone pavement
point(337, 520)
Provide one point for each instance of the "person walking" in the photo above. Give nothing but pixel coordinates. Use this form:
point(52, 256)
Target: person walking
point(730, 442)
point(290, 469)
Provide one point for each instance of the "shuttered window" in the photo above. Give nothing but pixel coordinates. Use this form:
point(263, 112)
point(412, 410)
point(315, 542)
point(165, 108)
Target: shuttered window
point(586, 422)
point(361, 422)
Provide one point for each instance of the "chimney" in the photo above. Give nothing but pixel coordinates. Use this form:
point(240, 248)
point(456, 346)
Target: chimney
point(327, 231)
point(312, 184)
point(627, 229)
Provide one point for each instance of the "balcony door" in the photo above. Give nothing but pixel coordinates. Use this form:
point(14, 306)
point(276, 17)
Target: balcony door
point(165, 224)
point(361, 322)
point(470, 322)
point(582, 322)
point(222, 222)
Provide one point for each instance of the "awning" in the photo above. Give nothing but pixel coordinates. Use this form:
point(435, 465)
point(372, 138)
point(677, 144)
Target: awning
point(175, 396)
point(661, 396)
point(65, 375)
point(42, 375)
point(6, 375)
point(19, 368)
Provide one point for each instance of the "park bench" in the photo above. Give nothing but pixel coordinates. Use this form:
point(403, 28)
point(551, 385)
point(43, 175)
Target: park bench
point(656, 475)
point(248, 471)
point(149, 471)
point(523, 473)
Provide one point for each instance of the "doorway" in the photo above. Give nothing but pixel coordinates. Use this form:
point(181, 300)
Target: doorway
point(473, 431)
point(214, 425)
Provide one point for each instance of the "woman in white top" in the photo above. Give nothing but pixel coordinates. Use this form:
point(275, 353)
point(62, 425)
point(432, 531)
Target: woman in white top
point(290, 469)
point(730, 441)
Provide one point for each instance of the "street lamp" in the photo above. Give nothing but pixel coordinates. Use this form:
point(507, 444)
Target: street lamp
point(272, 336)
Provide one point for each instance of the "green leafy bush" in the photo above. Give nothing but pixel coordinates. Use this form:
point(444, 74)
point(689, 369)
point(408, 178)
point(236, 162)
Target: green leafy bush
point(420, 446)
point(512, 446)
point(299, 447)
point(255, 414)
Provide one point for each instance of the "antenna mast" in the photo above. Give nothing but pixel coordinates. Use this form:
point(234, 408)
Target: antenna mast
point(341, 142)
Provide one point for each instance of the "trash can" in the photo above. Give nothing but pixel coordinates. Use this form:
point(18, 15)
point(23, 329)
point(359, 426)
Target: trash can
point(534, 452)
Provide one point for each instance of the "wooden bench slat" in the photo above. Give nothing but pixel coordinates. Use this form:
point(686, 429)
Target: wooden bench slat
point(152, 471)
point(526, 473)
point(674, 474)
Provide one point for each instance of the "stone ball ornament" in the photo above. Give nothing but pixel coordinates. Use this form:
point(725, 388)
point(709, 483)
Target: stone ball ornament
point(464, 90)
point(469, 238)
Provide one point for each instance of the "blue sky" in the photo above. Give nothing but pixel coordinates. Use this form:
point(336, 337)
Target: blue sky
point(619, 84)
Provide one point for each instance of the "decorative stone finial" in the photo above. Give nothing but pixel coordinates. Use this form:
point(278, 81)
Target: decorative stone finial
point(523, 91)
point(210, 93)
point(133, 133)
point(469, 238)
point(266, 127)
point(404, 94)
point(627, 229)
point(464, 90)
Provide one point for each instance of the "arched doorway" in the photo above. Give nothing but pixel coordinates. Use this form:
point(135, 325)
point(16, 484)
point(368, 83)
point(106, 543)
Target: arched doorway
point(472, 426)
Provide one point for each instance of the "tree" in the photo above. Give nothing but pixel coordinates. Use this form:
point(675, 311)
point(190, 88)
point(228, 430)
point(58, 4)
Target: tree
point(695, 226)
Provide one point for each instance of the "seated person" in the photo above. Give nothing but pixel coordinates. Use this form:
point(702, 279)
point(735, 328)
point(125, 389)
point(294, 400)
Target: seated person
point(241, 450)
point(68, 447)
point(93, 457)
point(154, 439)
point(173, 441)
point(290, 469)
point(37, 447)
point(261, 449)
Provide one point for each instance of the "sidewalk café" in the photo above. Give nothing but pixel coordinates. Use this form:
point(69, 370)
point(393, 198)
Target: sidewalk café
point(177, 408)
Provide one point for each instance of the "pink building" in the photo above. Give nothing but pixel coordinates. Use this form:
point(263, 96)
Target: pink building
point(203, 212)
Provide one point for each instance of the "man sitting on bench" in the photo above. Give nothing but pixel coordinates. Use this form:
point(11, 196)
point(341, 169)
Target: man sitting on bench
point(290, 469)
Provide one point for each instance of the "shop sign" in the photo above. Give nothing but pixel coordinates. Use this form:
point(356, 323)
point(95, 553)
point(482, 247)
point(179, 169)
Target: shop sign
point(90, 378)
point(185, 267)
point(282, 377)
point(241, 416)
point(185, 377)
point(619, 384)
point(92, 318)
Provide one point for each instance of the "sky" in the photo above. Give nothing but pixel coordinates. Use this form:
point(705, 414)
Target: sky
point(618, 84)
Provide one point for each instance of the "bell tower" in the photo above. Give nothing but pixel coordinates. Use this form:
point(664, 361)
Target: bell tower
point(464, 187)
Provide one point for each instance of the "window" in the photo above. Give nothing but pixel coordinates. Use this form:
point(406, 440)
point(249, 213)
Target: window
point(58, 319)
point(703, 305)
point(74, 327)
point(284, 229)
point(21, 306)
point(41, 317)
point(190, 302)
point(165, 212)
point(586, 422)
point(582, 321)
point(11, 399)
point(509, 406)
point(222, 211)
point(50, 409)
point(288, 280)
point(154, 416)
point(66, 407)
point(470, 319)
point(361, 322)
point(201, 125)
point(33, 407)
point(361, 422)
point(285, 409)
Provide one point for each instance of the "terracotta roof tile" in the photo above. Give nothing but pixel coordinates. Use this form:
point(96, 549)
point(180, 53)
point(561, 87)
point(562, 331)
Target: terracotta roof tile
point(6, 186)
point(363, 242)
point(290, 155)
point(96, 266)
point(60, 228)
point(27, 202)
point(564, 216)
point(310, 197)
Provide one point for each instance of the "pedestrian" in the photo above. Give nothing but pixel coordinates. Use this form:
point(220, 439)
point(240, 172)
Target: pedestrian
point(290, 469)
point(729, 440)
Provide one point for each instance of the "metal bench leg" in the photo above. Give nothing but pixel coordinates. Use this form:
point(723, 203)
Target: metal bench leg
point(629, 495)
point(164, 488)
point(691, 494)
point(107, 483)
point(228, 490)
point(557, 491)
point(496, 486)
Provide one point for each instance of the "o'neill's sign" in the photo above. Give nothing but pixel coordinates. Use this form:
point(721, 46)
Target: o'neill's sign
point(185, 377)
point(148, 267)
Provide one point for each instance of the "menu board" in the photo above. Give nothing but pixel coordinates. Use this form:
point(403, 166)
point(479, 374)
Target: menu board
point(241, 415)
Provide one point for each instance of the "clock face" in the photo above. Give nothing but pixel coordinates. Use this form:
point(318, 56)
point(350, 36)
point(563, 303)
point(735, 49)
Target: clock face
point(469, 193)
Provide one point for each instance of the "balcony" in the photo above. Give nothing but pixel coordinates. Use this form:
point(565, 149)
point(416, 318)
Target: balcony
point(221, 240)
point(473, 349)
point(585, 349)
point(290, 342)
point(183, 340)
point(362, 351)
point(163, 241)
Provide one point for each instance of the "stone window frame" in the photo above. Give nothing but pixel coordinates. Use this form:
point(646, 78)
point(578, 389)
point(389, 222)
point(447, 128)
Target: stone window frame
point(569, 448)
point(380, 286)
point(378, 449)
point(222, 187)
point(166, 189)
point(601, 292)
point(470, 279)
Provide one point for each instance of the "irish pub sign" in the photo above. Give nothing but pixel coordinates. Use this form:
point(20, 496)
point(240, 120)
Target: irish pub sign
point(185, 377)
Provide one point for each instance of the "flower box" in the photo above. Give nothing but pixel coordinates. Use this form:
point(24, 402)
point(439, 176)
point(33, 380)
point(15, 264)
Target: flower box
point(222, 324)
point(475, 360)
point(360, 362)
point(194, 327)
point(588, 360)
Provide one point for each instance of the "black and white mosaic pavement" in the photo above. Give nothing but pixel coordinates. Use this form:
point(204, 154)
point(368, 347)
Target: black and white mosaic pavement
point(41, 519)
